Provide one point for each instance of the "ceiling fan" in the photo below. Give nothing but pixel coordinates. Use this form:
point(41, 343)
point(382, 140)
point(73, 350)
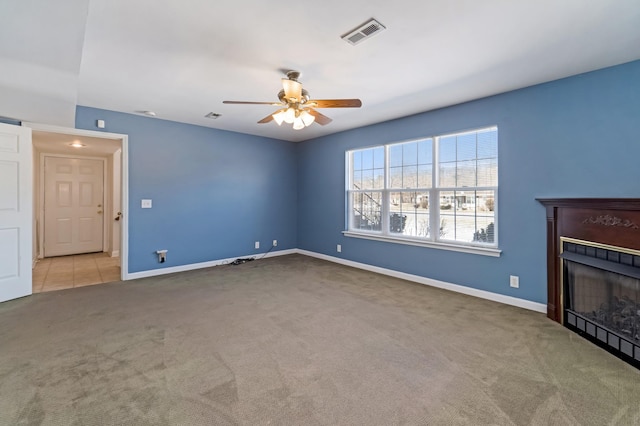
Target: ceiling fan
point(297, 107)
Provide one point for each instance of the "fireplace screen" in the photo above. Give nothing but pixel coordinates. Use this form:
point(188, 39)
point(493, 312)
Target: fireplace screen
point(602, 300)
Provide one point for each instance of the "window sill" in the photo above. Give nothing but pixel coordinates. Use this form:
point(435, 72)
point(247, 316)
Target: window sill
point(484, 251)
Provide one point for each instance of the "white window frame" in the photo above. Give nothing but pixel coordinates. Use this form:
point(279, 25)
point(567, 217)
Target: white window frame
point(433, 240)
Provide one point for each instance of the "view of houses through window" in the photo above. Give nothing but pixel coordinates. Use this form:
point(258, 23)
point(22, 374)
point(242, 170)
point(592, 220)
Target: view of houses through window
point(439, 189)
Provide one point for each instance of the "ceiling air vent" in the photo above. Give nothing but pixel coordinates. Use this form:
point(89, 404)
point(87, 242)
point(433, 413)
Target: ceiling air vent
point(213, 115)
point(363, 32)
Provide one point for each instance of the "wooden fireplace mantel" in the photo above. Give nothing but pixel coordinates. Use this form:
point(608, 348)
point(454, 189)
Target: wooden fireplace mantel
point(610, 221)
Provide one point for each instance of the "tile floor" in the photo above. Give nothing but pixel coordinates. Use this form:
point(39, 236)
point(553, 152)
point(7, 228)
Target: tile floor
point(57, 273)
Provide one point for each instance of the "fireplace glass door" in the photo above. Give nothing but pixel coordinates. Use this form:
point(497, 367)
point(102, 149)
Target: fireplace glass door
point(605, 298)
point(602, 298)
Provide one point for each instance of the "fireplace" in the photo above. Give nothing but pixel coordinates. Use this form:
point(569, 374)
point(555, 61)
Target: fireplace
point(593, 271)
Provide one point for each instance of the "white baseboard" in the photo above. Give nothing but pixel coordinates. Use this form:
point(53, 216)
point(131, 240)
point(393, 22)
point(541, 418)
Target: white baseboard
point(115, 253)
point(33, 262)
point(500, 298)
point(209, 264)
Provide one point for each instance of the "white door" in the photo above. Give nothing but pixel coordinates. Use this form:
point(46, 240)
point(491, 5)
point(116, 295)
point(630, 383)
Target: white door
point(73, 205)
point(16, 211)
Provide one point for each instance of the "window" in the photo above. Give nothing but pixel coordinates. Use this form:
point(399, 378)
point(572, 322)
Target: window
point(440, 189)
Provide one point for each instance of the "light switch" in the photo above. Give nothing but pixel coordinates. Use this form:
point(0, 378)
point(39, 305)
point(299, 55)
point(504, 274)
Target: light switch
point(146, 204)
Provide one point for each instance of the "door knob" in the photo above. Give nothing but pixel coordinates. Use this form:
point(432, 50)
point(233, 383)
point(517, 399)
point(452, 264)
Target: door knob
point(118, 216)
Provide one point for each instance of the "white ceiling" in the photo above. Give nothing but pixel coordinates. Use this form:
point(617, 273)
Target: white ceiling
point(182, 59)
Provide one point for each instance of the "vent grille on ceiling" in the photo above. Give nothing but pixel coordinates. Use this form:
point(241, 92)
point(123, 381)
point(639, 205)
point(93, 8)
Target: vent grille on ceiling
point(363, 32)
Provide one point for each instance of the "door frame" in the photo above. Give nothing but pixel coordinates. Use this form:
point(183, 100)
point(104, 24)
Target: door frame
point(124, 181)
point(41, 195)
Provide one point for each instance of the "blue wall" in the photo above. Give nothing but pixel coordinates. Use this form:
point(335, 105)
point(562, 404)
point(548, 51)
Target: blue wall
point(214, 192)
point(576, 137)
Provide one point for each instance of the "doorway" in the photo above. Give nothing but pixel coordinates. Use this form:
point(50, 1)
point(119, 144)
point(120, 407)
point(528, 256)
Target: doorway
point(80, 202)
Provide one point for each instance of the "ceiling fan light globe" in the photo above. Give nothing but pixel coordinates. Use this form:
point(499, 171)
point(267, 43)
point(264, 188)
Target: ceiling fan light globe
point(279, 116)
point(289, 115)
point(307, 118)
point(298, 124)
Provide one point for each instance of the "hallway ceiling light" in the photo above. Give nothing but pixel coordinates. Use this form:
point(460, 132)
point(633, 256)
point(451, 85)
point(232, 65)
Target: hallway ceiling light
point(77, 144)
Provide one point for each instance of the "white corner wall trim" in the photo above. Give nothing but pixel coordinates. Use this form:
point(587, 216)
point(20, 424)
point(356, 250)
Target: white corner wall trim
point(500, 298)
point(209, 264)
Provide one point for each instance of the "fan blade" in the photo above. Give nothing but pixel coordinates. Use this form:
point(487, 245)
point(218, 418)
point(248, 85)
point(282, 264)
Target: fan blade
point(334, 103)
point(267, 119)
point(321, 119)
point(252, 103)
point(292, 89)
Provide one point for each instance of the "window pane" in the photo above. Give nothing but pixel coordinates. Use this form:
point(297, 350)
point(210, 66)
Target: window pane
point(488, 172)
point(468, 216)
point(485, 202)
point(466, 147)
point(447, 215)
point(367, 159)
point(364, 175)
point(447, 149)
point(357, 160)
point(425, 151)
point(367, 179)
point(488, 144)
point(466, 173)
point(485, 230)
point(395, 177)
point(378, 157)
point(447, 175)
point(409, 213)
point(424, 176)
point(410, 177)
point(366, 210)
point(474, 159)
point(457, 215)
point(378, 179)
point(357, 180)
point(395, 155)
point(465, 227)
point(485, 218)
point(409, 153)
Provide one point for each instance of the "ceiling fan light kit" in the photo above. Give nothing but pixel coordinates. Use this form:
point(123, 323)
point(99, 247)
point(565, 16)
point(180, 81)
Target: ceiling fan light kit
point(297, 108)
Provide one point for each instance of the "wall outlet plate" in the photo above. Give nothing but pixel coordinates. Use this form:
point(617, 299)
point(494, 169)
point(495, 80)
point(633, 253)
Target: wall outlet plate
point(339, 248)
point(514, 281)
point(275, 243)
point(257, 245)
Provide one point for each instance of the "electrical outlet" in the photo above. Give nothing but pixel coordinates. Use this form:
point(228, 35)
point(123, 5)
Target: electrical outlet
point(275, 243)
point(514, 281)
point(339, 248)
point(257, 244)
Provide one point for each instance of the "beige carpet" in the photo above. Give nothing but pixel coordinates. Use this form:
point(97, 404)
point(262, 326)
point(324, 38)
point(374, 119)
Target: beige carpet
point(294, 340)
